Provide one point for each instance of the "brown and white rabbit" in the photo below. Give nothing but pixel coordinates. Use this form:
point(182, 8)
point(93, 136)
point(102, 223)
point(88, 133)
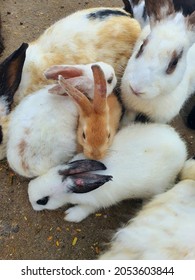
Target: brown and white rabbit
point(98, 119)
point(159, 77)
point(86, 36)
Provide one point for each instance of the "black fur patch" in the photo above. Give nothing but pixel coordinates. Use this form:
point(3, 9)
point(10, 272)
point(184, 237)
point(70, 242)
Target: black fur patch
point(1, 135)
point(191, 119)
point(102, 14)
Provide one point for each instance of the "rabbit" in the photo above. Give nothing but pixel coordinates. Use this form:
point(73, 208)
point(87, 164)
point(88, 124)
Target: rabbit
point(10, 76)
point(42, 128)
point(140, 166)
point(159, 78)
point(138, 9)
point(86, 36)
point(89, 36)
point(164, 229)
point(98, 119)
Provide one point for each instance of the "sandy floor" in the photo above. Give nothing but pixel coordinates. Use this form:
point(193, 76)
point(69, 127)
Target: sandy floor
point(24, 233)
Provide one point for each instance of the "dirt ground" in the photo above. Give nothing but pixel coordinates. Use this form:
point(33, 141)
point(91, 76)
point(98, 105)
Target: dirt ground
point(24, 233)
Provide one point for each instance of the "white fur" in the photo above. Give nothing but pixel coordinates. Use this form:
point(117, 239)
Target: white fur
point(42, 130)
point(163, 229)
point(144, 160)
point(161, 95)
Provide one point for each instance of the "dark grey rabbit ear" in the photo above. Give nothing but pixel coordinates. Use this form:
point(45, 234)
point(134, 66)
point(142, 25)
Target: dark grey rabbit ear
point(86, 182)
point(10, 75)
point(158, 10)
point(80, 166)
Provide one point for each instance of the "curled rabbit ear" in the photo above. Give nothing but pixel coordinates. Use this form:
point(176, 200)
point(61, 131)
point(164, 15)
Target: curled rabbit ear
point(158, 10)
point(81, 100)
point(99, 101)
point(67, 72)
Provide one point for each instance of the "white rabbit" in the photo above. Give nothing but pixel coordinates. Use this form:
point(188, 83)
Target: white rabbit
point(143, 160)
point(42, 128)
point(159, 76)
point(163, 229)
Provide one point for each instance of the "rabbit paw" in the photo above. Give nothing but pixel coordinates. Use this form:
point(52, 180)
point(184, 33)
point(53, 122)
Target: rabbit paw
point(77, 213)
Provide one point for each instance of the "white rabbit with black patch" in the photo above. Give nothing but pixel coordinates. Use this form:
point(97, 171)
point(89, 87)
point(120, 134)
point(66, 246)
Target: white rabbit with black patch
point(42, 128)
point(159, 76)
point(141, 165)
point(164, 229)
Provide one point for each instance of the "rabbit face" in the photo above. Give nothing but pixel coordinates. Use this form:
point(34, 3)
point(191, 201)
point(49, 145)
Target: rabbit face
point(159, 61)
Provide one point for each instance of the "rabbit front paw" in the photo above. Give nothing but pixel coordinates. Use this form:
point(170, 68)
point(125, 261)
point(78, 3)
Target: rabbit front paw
point(77, 213)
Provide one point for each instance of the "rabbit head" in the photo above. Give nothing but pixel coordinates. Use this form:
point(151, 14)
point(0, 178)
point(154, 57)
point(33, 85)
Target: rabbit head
point(159, 60)
point(95, 134)
point(55, 188)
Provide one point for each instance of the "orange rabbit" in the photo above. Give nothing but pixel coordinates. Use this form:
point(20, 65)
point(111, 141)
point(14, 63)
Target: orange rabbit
point(98, 118)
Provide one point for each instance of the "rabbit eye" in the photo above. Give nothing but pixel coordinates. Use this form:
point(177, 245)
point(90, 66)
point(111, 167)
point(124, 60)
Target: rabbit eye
point(173, 63)
point(141, 49)
point(1, 134)
point(84, 136)
point(43, 201)
point(109, 135)
point(109, 81)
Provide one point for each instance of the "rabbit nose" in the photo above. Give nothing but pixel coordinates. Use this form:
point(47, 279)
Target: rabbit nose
point(135, 91)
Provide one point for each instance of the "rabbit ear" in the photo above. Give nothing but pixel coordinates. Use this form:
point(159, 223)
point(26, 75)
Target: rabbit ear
point(83, 84)
point(10, 76)
point(191, 22)
point(81, 100)
point(66, 71)
point(158, 10)
point(86, 182)
point(80, 166)
point(99, 101)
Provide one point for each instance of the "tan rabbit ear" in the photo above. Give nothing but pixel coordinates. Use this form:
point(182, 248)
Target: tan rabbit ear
point(158, 10)
point(99, 101)
point(66, 71)
point(81, 100)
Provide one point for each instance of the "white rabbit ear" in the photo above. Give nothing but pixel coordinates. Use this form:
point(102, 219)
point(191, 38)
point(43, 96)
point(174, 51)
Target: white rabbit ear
point(158, 10)
point(67, 72)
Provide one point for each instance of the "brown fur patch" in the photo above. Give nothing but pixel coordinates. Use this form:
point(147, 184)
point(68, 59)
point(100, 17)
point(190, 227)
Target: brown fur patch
point(22, 146)
point(159, 9)
point(191, 21)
